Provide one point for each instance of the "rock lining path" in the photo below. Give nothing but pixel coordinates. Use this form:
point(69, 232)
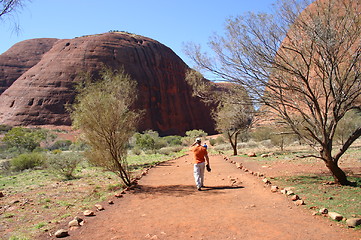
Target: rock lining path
point(167, 206)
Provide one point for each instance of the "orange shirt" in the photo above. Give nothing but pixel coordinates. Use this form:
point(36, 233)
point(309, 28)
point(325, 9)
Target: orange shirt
point(199, 154)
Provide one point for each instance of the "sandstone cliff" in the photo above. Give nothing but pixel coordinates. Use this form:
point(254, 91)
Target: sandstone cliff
point(20, 58)
point(37, 97)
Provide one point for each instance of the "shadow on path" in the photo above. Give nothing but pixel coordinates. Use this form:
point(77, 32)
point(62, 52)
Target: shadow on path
point(181, 190)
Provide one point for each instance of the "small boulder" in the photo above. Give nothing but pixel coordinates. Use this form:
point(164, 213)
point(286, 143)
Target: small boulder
point(266, 181)
point(323, 211)
point(61, 233)
point(88, 213)
point(118, 195)
point(73, 223)
point(299, 202)
point(252, 154)
point(238, 165)
point(110, 202)
point(335, 216)
point(99, 207)
point(295, 197)
point(284, 191)
point(353, 222)
point(1, 194)
point(264, 155)
point(289, 193)
point(274, 189)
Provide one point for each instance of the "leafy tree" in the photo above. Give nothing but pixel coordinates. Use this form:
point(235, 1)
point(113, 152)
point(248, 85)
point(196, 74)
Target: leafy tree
point(191, 135)
point(145, 141)
point(24, 139)
point(302, 64)
point(232, 114)
point(150, 140)
point(103, 113)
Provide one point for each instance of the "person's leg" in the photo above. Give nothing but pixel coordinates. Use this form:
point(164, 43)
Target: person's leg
point(197, 175)
point(202, 169)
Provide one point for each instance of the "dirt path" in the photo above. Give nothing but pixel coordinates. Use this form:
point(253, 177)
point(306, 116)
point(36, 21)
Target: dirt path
point(167, 206)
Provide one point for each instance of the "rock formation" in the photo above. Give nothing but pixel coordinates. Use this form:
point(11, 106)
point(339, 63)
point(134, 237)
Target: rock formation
point(38, 96)
point(20, 58)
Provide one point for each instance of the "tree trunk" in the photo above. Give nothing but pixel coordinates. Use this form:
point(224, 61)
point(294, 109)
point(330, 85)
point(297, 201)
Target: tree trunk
point(337, 173)
point(235, 153)
point(233, 144)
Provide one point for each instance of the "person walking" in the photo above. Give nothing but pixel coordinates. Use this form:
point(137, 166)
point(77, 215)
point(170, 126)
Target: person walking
point(201, 160)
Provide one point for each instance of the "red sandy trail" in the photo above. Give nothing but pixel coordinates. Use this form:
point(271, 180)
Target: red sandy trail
point(166, 205)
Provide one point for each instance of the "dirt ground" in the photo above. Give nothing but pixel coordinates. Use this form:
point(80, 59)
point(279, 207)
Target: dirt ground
point(233, 205)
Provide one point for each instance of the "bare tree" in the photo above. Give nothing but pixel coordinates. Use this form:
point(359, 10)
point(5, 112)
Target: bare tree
point(103, 114)
point(9, 8)
point(302, 64)
point(231, 112)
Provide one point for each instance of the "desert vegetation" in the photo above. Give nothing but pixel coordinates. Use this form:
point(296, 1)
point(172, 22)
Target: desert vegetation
point(57, 180)
point(299, 66)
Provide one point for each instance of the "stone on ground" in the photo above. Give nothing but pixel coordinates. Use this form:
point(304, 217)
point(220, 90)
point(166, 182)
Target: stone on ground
point(335, 216)
point(61, 233)
point(353, 222)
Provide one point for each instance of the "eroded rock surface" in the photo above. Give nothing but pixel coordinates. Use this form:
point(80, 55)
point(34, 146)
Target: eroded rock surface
point(38, 96)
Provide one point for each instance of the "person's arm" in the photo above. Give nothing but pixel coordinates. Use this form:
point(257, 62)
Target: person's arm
point(207, 159)
point(208, 166)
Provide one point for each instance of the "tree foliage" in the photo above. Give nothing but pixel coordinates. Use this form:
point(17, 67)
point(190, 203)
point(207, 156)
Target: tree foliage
point(103, 114)
point(233, 114)
point(301, 64)
point(24, 139)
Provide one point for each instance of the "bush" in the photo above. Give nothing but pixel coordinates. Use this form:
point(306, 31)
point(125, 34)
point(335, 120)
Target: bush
point(61, 144)
point(78, 146)
point(192, 135)
point(169, 150)
point(136, 151)
point(173, 140)
point(222, 147)
point(196, 133)
point(4, 128)
point(27, 161)
point(261, 133)
point(24, 138)
point(212, 141)
point(64, 164)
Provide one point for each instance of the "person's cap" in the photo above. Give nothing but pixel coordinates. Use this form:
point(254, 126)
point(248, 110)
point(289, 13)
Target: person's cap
point(198, 140)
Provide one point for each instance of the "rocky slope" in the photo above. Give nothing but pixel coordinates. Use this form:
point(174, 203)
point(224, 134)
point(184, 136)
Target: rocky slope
point(20, 58)
point(37, 94)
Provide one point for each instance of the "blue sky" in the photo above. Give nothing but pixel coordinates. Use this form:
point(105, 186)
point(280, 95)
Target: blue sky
point(171, 22)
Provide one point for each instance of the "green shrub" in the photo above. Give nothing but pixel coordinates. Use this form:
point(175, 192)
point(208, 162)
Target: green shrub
point(192, 135)
point(136, 151)
point(78, 146)
point(64, 164)
point(196, 133)
point(173, 140)
point(220, 140)
point(27, 161)
point(149, 141)
point(212, 141)
point(170, 150)
point(223, 147)
point(61, 144)
point(4, 128)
